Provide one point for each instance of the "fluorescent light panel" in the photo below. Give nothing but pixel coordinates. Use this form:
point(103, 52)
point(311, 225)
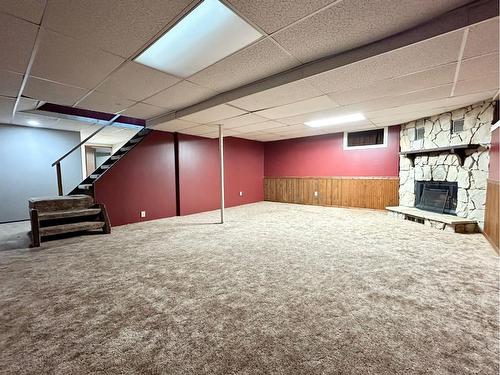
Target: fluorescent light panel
point(206, 35)
point(336, 120)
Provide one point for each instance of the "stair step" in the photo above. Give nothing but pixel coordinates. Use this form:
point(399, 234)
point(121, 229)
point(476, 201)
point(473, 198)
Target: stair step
point(125, 149)
point(94, 176)
point(69, 213)
point(115, 157)
point(84, 186)
point(69, 228)
point(71, 202)
point(135, 140)
point(105, 166)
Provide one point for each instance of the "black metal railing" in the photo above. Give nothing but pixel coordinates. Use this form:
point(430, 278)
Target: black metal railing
point(57, 163)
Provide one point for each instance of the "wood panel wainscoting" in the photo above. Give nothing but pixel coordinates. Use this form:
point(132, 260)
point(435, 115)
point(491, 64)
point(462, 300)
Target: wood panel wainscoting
point(364, 192)
point(492, 214)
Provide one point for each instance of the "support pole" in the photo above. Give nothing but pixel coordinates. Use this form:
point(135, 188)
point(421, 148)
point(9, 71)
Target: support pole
point(59, 179)
point(221, 157)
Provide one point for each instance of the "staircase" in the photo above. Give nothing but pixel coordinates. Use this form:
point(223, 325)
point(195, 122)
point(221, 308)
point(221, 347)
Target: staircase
point(70, 214)
point(76, 212)
point(86, 187)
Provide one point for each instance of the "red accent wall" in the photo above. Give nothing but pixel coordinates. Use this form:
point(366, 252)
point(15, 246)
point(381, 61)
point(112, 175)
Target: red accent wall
point(143, 180)
point(199, 178)
point(494, 170)
point(324, 156)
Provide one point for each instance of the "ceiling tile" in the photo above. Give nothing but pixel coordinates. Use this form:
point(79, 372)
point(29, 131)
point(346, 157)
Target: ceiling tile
point(143, 111)
point(199, 130)
point(359, 125)
point(227, 133)
point(17, 38)
point(98, 101)
point(289, 129)
point(30, 10)
point(52, 92)
point(373, 105)
point(174, 125)
point(27, 104)
point(325, 33)
point(181, 95)
point(285, 94)
point(417, 57)
point(241, 120)
point(309, 105)
point(10, 83)
point(401, 85)
point(398, 100)
point(486, 83)
point(117, 26)
point(135, 82)
point(65, 60)
point(302, 135)
point(219, 112)
point(6, 107)
point(261, 136)
point(409, 112)
point(426, 106)
point(257, 61)
point(298, 133)
point(482, 39)
point(267, 125)
point(477, 67)
point(274, 15)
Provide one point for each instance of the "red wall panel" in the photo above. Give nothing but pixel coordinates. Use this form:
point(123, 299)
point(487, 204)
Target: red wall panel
point(143, 180)
point(494, 171)
point(199, 178)
point(324, 156)
point(244, 170)
point(198, 174)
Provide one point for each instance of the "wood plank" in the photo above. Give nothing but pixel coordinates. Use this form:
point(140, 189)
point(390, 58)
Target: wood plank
point(73, 227)
point(70, 213)
point(336, 191)
point(323, 192)
point(492, 214)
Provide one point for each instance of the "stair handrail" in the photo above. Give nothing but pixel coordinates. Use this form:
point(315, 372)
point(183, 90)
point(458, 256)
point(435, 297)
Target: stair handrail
point(57, 163)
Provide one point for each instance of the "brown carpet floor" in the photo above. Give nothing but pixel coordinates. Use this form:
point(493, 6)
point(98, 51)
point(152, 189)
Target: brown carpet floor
point(278, 289)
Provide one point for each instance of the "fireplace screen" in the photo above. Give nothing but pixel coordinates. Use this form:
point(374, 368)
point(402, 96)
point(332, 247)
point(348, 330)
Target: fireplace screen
point(436, 196)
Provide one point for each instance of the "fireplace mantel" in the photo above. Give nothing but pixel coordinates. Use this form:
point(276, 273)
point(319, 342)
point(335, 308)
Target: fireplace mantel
point(457, 150)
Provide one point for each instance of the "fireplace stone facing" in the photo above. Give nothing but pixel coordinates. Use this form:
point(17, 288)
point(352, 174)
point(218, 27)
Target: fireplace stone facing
point(470, 174)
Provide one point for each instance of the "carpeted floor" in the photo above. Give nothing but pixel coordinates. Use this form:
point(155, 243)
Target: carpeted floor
point(278, 289)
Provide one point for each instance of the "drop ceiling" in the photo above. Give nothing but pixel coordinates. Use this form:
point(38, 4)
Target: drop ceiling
point(86, 50)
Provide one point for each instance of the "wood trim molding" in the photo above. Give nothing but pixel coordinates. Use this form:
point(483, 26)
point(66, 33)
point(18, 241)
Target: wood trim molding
point(492, 214)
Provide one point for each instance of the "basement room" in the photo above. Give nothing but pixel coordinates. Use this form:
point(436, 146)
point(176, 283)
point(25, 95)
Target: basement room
point(249, 187)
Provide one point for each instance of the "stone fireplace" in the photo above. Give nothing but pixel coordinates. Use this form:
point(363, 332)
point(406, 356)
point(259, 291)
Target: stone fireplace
point(444, 162)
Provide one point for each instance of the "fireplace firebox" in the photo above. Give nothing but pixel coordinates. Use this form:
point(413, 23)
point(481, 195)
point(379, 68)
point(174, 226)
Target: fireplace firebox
point(436, 196)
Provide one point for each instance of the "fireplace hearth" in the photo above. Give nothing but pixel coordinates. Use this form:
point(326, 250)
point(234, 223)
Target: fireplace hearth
point(436, 196)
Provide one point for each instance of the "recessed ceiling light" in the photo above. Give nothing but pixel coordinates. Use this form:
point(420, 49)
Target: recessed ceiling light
point(33, 122)
point(336, 120)
point(207, 34)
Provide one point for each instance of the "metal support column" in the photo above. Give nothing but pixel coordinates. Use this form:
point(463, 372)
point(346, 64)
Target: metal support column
point(221, 157)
